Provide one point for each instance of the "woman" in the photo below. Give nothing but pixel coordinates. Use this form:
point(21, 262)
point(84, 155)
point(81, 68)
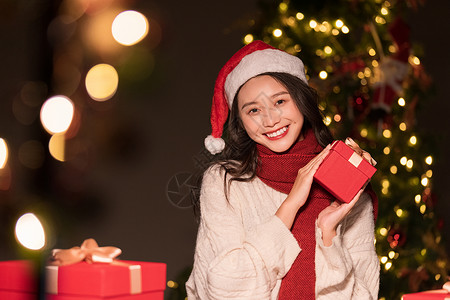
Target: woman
point(266, 230)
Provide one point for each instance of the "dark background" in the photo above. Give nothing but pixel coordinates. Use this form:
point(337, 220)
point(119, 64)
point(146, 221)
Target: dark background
point(151, 133)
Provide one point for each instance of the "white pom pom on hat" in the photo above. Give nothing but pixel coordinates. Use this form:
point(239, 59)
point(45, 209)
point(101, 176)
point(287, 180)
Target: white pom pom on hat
point(251, 60)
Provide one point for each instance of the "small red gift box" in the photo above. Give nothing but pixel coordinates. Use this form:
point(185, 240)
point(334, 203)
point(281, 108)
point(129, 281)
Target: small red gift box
point(120, 280)
point(429, 295)
point(343, 172)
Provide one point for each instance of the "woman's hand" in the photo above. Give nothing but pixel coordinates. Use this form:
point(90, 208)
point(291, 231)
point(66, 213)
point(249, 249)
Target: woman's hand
point(300, 190)
point(330, 217)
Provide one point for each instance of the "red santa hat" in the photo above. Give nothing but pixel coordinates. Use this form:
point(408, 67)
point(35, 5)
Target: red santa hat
point(251, 60)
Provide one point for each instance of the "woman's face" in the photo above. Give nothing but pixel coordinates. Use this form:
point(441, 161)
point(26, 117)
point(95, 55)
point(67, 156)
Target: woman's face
point(269, 114)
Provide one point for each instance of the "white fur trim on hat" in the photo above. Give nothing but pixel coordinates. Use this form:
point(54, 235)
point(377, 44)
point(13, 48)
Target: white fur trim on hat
point(262, 61)
point(214, 145)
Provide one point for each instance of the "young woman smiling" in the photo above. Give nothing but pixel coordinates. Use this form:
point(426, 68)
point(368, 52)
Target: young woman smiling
point(267, 231)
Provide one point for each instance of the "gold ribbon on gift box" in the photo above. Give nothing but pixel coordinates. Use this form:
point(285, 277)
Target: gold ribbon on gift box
point(90, 252)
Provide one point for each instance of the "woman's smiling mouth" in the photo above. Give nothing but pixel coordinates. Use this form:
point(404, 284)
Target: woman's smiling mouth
point(277, 134)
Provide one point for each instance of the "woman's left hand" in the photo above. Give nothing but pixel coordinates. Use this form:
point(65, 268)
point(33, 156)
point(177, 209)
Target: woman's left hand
point(331, 216)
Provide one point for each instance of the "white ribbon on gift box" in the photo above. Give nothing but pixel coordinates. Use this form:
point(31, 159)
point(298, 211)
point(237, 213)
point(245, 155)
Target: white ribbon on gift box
point(355, 159)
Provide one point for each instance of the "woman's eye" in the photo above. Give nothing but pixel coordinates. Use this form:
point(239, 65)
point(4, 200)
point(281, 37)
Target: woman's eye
point(281, 101)
point(253, 111)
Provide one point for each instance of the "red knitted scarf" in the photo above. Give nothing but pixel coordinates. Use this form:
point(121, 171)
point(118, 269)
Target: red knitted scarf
point(279, 171)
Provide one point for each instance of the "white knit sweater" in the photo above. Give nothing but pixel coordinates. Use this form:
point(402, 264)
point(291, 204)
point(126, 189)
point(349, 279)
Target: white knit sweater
point(243, 250)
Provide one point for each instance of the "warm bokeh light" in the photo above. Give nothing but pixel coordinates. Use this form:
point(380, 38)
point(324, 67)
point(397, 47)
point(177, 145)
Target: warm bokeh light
point(414, 60)
point(323, 74)
point(339, 23)
point(3, 153)
point(30, 232)
point(393, 169)
point(409, 163)
point(337, 118)
point(277, 33)
point(417, 198)
point(401, 101)
point(283, 7)
point(424, 181)
point(403, 160)
point(129, 27)
point(345, 29)
point(56, 147)
point(364, 132)
point(312, 23)
point(57, 114)
point(429, 160)
point(386, 150)
point(248, 38)
point(387, 133)
point(101, 82)
point(300, 16)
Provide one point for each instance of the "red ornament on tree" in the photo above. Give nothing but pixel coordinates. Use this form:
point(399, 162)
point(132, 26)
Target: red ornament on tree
point(396, 238)
point(392, 70)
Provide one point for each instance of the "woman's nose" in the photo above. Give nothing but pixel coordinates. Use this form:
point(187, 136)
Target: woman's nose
point(271, 117)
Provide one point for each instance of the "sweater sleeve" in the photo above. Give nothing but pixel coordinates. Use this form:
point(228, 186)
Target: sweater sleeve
point(232, 262)
point(349, 268)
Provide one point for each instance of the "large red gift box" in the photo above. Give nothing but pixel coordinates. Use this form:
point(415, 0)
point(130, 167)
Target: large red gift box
point(429, 295)
point(17, 280)
point(120, 280)
point(343, 172)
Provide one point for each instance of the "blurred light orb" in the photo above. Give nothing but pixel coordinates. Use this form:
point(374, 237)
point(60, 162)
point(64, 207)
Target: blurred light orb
point(56, 147)
point(30, 232)
point(57, 114)
point(129, 27)
point(101, 82)
point(3, 153)
point(277, 32)
point(248, 38)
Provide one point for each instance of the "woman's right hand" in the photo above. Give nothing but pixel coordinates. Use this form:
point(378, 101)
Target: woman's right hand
point(300, 190)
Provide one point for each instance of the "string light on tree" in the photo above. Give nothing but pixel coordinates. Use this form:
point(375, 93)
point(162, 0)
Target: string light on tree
point(248, 38)
point(277, 32)
point(300, 16)
point(323, 75)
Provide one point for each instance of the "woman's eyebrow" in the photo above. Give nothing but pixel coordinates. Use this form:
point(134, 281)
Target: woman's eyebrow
point(247, 104)
point(279, 94)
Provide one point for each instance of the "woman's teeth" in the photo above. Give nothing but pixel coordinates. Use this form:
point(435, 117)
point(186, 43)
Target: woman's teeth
point(277, 133)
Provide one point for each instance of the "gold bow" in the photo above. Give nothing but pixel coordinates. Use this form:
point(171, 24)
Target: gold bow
point(89, 252)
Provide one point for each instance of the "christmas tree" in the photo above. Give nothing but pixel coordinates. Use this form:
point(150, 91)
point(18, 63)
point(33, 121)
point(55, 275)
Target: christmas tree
point(359, 57)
